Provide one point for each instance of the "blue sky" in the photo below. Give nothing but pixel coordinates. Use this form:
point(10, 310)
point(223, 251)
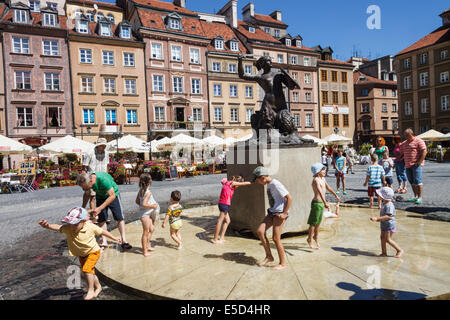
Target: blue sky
point(342, 24)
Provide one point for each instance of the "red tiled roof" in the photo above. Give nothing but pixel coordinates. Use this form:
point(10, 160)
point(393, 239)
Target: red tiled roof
point(154, 20)
point(215, 29)
point(166, 6)
point(36, 16)
point(265, 18)
point(357, 80)
point(335, 61)
point(94, 32)
point(258, 35)
point(99, 3)
point(430, 39)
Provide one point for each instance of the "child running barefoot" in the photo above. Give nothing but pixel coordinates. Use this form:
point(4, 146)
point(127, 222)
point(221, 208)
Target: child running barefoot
point(341, 165)
point(228, 188)
point(375, 179)
point(320, 186)
point(387, 218)
point(80, 234)
point(276, 215)
point(149, 210)
point(173, 215)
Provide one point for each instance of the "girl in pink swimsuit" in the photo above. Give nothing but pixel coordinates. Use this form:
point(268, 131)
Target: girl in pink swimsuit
point(228, 188)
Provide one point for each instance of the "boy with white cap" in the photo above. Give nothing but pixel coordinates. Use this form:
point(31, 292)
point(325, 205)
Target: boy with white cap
point(320, 187)
point(80, 234)
point(387, 218)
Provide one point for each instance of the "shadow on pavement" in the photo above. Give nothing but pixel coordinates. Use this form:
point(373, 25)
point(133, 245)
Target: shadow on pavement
point(238, 257)
point(47, 294)
point(354, 252)
point(379, 294)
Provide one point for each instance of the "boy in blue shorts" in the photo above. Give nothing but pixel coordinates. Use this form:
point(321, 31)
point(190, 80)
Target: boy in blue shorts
point(375, 179)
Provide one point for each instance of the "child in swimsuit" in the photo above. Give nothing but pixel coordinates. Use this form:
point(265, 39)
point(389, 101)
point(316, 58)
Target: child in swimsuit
point(173, 216)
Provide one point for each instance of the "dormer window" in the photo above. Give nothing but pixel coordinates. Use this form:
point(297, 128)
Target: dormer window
point(234, 45)
point(173, 21)
point(78, 14)
point(277, 33)
point(218, 43)
point(35, 6)
point(105, 29)
point(174, 24)
point(20, 16)
point(82, 26)
point(52, 5)
point(125, 32)
point(111, 18)
point(251, 29)
point(100, 16)
point(298, 43)
point(288, 42)
point(49, 19)
point(90, 16)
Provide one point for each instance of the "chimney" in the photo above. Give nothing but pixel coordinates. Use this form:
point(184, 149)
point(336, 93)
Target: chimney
point(230, 13)
point(276, 15)
point(248, 11)
point(445, 17)
point(180, 3)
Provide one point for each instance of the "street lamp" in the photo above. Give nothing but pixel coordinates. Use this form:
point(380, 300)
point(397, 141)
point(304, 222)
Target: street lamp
point(117, 135)
point(149, 139)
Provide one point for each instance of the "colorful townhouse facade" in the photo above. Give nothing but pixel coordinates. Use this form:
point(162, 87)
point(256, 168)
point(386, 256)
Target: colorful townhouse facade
point(424, 83)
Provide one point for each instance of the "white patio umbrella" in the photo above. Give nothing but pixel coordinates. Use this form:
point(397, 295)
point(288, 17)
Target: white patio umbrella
point(179, 140)
point(445, 137)
point(10, 146)
point(431, 135)
point(68, 144)
point(129, 143)
point(245, 138)
point(230, 141)
point(319, 141)
point(214, 141)
point(337, 139)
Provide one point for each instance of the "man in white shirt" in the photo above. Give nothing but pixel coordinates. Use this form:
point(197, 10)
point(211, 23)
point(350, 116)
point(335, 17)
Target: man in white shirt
point(98, 159)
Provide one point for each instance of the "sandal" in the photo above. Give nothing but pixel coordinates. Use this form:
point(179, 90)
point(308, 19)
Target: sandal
point(126, 246)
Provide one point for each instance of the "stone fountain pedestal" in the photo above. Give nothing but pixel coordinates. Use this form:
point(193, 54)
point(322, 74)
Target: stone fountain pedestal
point(291, 165)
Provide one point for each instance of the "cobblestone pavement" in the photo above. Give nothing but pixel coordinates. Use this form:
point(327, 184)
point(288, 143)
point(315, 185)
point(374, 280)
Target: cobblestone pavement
point(35, 262)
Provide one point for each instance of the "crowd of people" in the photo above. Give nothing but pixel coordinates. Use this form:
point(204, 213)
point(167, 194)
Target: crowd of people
point(102, 194)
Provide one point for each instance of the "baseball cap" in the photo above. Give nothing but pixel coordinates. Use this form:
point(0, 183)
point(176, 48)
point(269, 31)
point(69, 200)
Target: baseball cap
point(259, 172)
point(75, 215)
point(386, 193)
point(316, 168)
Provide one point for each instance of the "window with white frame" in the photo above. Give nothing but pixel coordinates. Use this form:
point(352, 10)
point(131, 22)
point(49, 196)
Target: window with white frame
point(160, 114)
point(132, 116)
point(308, 120)
point(130, 86)
point(85, 56)
point(276, 33)
point(24, 117)
point(20, 16)
point(125, 32)
point(297, 120)
point(195, 55)
point(306, 61)
point(53, 5)
point(251, 29)
point(232, 68)
point(87, 84)
point(280, 58)
point(424, 105)
point(233, 91)
point(307, 78)
point(384, 92)
point(295, 75)
point(82, 26)
point(288, 42)
point(407, 63)
point(444, 76)
point(128, 59)
point(109, 85)
point(408, 108)
point(51, 81)
point(54, 117)
point(108, 57)
point(248, 69)
point(248, 114)
point(294, 60)
point(105, 29)
point(110, 17)
point(444, 54)
point(90, 15)
point(234, 115)
point(394, 124)
point(365, 107)
point(394, 107)
point(178, 84)
point(21, 45)
point(423, 58)
point(197, 114)
point(295, 96)
point(195, 85)
point(100, 15)
point(218, 44)
point(50, 47)
point(218, 114)
point(50, 19)
point(216, 67)
point(308, 96)
point(407, 82)
point(384, 108)
point(248, 91)
point(424, 79)
point(35, 6)
point(234, 46)
point(88, 116)
point(445, 102)
point(394, 93)
point(157, 51)
point(158, 83)
point(174, 24)
point(111, 116)
point(176, 53)
point(217, 89)
point(22, 80)
point(267, 30)
point(298, 43)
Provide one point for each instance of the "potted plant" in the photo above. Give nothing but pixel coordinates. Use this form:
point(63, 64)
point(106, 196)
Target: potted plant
point(119, 174)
